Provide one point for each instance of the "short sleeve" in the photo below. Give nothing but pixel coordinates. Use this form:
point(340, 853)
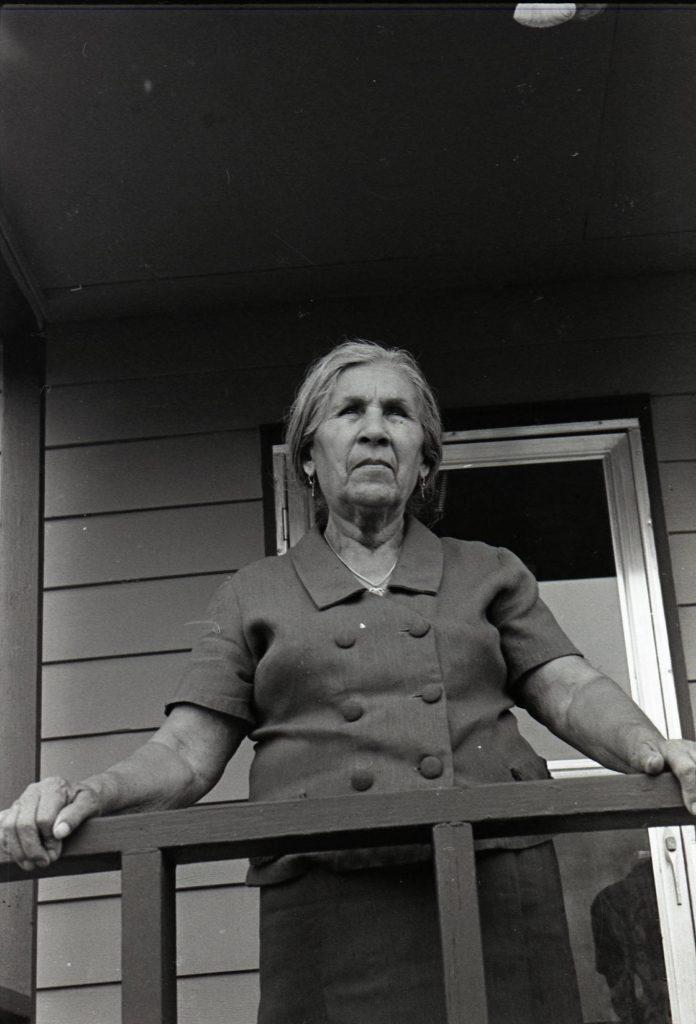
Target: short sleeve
point(220, 671)
point(529, 634)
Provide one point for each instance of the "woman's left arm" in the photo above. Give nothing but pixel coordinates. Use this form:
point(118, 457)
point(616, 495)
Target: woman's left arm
point(593, 714)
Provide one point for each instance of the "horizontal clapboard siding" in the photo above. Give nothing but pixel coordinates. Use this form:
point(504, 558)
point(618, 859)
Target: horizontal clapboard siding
point(108, 695)
point(212, 999)
point(125, 618)
point(164, 407)
point(674, 422)
point(679, 495)
point(161, 473)
point(137, 545)
point(79, 942)
point(687, 618)
point(683, 552)
point(108, 883)
point(204, 402)
point(177, 515)
point(601, 310)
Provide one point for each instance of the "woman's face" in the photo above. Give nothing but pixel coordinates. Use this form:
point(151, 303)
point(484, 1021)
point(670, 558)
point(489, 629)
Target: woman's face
point(368, 450)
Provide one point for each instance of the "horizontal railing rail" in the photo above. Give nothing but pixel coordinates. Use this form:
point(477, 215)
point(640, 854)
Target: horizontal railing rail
point(147, 847)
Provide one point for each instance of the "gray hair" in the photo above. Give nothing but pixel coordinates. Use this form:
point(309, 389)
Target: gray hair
point(309, 407)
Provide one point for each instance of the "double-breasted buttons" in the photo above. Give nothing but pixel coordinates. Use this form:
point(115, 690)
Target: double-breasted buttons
point(431, 693)
point(418, 629)
point(352, 710)
point(362, 779)
point(344, 639)
point(430, 767)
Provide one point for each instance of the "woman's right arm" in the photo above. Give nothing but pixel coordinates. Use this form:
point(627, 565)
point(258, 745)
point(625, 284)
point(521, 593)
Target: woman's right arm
point(176, 767)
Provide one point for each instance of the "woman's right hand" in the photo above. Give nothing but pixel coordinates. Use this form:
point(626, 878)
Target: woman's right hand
point(32, 830)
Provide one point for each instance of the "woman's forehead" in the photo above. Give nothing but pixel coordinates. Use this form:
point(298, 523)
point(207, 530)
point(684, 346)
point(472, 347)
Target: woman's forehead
point(378, 380)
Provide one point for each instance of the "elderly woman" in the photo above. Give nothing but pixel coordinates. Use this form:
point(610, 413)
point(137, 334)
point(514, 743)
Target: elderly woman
point(375, 657)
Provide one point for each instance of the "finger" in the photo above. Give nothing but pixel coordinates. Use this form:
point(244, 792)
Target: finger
point(83, 806)
point(682, 762)
point(53, 797)
point(10, 838)
point(28, 836)
point(648, 759)
point(4, 830)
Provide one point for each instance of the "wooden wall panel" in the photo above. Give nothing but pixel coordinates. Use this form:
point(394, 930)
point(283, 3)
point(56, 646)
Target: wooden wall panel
point(217, 930)
point(85, 755)
point(165, 406)
point(78, 943)
point(138, 545)
point(687, 618)
point(108, 883)
point(109, 695)
point(126, 618)
point(683, 552)
point(674, 425)
point(219, 999)
point(117, 350)
point(529, 372)
point(679, 494)
point(82, 756)
point(563, 312)
point(223, 466)
point(90, 1004)
point(216, 999)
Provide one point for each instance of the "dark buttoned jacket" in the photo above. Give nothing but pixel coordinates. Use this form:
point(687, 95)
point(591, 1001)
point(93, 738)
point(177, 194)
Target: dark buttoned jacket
point(344, 691)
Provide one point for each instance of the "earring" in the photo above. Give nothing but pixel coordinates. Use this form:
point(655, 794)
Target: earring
point(310, 483)
point(422, 487)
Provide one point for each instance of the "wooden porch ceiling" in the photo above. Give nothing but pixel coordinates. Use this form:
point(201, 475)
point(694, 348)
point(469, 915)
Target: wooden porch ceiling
point(174, 158)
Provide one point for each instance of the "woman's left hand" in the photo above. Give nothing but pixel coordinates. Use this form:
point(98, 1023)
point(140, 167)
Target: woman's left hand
point(676, 756)
point(565, 694)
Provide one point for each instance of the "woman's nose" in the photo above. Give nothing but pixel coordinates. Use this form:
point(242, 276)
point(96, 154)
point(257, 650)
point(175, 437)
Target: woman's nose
point(373, 426)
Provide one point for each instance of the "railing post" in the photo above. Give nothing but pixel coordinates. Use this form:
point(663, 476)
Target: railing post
point(148, 938)
point(460, 930)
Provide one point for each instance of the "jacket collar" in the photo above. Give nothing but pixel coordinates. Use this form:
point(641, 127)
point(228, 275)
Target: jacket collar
point(328, 582)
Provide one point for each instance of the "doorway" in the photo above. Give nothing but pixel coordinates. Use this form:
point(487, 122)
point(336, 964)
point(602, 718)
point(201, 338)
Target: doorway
point(571, 499)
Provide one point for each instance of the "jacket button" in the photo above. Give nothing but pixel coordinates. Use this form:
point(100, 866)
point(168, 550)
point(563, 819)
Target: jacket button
point(419, 629)
point(431, 693)
point(345, 639)
point(430, 767)
point(352, 711)
point(361, 779)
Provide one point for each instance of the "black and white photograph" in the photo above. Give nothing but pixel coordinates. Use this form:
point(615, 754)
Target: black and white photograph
point(348, 513)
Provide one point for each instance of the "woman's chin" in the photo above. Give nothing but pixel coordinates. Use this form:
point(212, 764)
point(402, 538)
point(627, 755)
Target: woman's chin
point(375, 496)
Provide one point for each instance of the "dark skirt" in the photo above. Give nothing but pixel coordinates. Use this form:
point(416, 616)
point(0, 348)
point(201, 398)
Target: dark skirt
point(363, 946)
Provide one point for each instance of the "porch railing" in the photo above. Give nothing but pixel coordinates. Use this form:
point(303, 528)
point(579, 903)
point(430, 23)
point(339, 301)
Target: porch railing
point(147, 847)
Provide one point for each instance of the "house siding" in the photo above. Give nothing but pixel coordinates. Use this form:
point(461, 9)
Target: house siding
point(153, 495)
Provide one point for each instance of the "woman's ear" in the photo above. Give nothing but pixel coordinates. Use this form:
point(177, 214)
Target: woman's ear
point(309, 467)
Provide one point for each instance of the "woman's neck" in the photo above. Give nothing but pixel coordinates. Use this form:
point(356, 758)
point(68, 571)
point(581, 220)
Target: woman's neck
point(366, 540)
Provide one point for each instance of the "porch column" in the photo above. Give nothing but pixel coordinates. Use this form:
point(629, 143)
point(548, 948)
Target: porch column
point(21, 571)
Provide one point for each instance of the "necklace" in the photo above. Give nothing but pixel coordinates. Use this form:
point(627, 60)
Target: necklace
point(379, 587)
